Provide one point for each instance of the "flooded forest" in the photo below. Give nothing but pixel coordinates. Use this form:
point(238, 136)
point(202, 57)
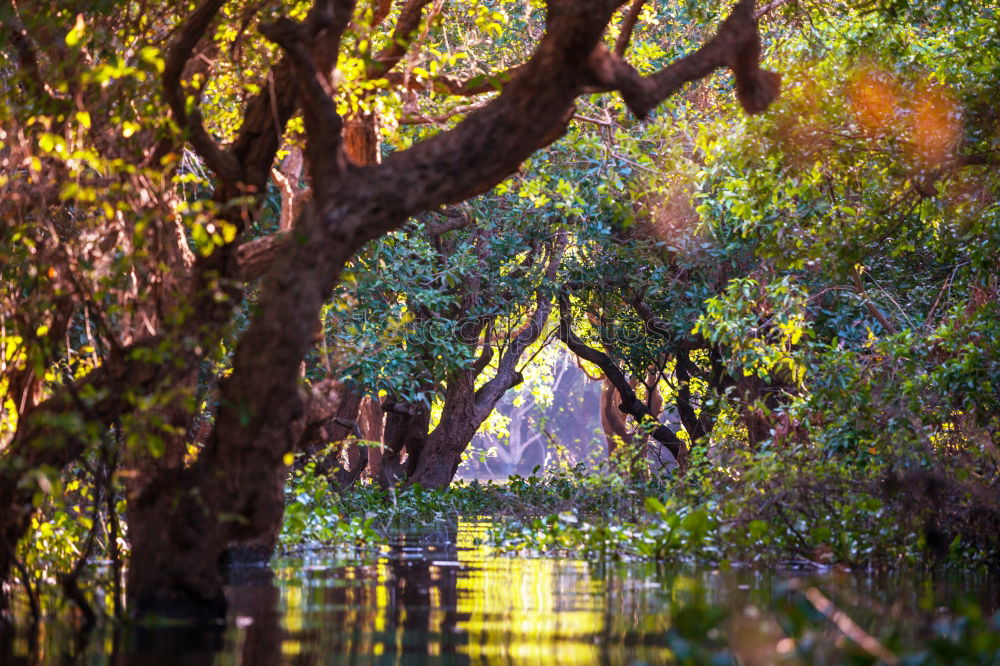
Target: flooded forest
point(506, 332)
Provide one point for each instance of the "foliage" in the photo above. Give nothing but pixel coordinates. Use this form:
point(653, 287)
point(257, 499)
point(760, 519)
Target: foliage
point(764, 509)
point(816, 286)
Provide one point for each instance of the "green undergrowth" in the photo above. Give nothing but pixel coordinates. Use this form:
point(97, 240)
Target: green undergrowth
point(764, 508)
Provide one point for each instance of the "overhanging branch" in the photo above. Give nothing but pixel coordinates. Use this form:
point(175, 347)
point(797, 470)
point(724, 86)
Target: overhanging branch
point(736, 45)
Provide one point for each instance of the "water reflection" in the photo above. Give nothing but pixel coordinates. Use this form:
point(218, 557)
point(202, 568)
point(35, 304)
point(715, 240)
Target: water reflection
point(439, 598)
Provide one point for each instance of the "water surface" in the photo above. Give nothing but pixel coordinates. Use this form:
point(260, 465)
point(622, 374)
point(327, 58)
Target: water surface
point(438, 597)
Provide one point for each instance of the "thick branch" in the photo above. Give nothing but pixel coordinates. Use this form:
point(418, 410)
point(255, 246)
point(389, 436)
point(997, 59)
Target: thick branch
point(323, 123)
point(380, 11)
point(736, 45)
point(455, 219)
point(652, 323)
point(255, 257)
point(534, 109)
point(268, 112)
point(694, 426)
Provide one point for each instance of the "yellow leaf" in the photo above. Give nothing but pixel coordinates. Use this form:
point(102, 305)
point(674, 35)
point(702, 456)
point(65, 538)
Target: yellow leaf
point(74, 36)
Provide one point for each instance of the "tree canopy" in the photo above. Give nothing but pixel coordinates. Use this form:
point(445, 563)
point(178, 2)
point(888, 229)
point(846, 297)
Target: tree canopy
point(239, 232)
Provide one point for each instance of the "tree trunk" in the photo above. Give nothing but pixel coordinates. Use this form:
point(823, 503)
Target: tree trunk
point(465, 407)
point(371, 421)
point(406, 428)
point(697, 426)
point(234, 492)
point(613, 420)
point(460, 419)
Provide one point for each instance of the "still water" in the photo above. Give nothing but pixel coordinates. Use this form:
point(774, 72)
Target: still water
point(438, 597)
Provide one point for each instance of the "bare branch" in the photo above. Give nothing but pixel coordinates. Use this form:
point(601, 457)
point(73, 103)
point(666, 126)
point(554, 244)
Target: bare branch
point(849, 627)
point(402, 38)
point(477, 85)
point(872, 308)
point(223, 164)
point(628, 26)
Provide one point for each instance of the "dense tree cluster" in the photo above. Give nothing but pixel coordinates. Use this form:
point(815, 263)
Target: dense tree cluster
point(298, 229)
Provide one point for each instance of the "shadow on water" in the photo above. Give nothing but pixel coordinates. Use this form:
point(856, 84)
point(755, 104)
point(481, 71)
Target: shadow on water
point(438, 597)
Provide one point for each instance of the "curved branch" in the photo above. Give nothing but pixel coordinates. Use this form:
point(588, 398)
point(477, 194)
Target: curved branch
point(223, 164)
point(323, 123)
point(507, 375)
point(534, 109)
point(628, 26)
point(402, 38)
point(736, 45)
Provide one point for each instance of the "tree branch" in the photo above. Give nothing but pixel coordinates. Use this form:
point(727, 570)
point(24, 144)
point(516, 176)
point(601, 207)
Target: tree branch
point(628, 26)
point(402, 38)
point(446, 85)
point(652, 323)
point(323, 123)
point(223, 164)
point(889, 327)
point(455, 219)
point(507, 375)
point(27, 52)
point(736, 45)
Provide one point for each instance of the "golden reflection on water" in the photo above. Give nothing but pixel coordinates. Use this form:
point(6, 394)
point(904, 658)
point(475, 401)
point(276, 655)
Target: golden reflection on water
point(438, 597)
point(528, 610)
point(457, 602)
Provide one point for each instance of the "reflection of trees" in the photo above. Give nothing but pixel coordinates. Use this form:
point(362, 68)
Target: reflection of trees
point(254, 637)
point(424, 603)
point(404, 607)
point(254, 597)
